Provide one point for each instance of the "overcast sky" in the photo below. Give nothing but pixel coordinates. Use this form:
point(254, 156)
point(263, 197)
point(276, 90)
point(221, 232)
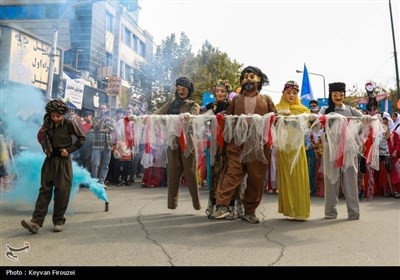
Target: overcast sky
point(346, 41)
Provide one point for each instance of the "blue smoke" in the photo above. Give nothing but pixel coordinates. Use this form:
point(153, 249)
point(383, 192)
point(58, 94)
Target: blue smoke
point(26, 186)
point(82, 176)
point(22, 111)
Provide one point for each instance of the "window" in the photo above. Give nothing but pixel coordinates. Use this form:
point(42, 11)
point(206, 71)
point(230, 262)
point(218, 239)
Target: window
point(122, 69)
point(109, 22)
point(34, 12)
point(135, 43)
point(68, 57)
point(53, 11)
point(49, 11)
point(142, 49)
point(128, 73)
point(127, 37)
point(109, 59)
point(11, 12)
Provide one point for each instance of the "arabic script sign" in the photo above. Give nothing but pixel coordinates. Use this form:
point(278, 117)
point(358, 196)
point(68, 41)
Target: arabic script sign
point(29, 60)
point(114, 86)
point(74, 92)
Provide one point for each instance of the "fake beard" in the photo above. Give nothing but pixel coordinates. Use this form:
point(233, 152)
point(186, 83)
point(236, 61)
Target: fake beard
point(249, 86)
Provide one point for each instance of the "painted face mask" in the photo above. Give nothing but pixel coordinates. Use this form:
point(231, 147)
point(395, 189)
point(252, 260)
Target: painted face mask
point(250, 81)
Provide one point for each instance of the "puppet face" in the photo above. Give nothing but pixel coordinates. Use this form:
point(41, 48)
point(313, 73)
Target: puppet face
point(183, 92)
point(369, 87)
point(290, 94)
point(250, 81)
point(221, 93)
point(250, 78)
point(338, 98)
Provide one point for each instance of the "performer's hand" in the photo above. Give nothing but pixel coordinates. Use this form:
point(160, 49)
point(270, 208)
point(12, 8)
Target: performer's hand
point(366, 119)
point(186, 116)
point(64, 152)
point(312, 117)
point(130, 118)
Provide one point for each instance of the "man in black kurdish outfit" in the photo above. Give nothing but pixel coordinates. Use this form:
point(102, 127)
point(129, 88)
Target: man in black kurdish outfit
point(55, 137)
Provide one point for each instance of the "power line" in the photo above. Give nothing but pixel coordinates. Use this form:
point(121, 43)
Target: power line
point(380, 68)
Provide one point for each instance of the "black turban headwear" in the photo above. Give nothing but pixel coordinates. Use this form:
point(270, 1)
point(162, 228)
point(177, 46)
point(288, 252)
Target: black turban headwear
point(252, 69)
point(46, 132)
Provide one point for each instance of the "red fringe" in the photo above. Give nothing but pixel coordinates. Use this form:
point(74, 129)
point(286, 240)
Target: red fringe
point(220, 136)
point(342, 144)
point(128, 133)
point(368, 145)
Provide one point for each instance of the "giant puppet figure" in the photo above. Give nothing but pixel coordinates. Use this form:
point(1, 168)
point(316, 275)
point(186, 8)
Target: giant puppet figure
point(181, 154)
point(293, 178)
point(372, 104)
point(247, 158)
point(337, 174)
point(221, 90)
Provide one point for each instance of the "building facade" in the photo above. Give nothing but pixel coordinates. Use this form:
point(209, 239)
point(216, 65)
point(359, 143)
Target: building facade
point(98, 39)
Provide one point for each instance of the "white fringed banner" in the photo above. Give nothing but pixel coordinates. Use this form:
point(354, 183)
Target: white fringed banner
point(157, 132)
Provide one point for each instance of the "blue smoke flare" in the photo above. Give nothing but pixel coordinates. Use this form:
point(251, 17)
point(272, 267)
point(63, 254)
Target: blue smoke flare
point(27, 169)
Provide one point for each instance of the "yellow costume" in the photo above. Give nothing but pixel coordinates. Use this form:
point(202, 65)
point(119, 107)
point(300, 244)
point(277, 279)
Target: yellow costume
point(294, 188)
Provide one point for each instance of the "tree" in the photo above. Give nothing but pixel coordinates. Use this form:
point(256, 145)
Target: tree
point(211, 64)
point(394, 99)
point(154, 80)
point(142, 86)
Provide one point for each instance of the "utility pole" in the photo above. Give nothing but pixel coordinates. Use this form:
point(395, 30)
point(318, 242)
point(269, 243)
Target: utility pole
point(395, 53)
point(52, 56)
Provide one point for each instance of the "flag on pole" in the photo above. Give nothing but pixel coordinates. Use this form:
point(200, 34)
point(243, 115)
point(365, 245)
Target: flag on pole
point(306, 91)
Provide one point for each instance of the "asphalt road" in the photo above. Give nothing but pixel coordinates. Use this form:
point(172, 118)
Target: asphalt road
point(139, 230)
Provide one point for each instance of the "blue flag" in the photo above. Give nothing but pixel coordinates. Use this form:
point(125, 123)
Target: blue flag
point(306, 91)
